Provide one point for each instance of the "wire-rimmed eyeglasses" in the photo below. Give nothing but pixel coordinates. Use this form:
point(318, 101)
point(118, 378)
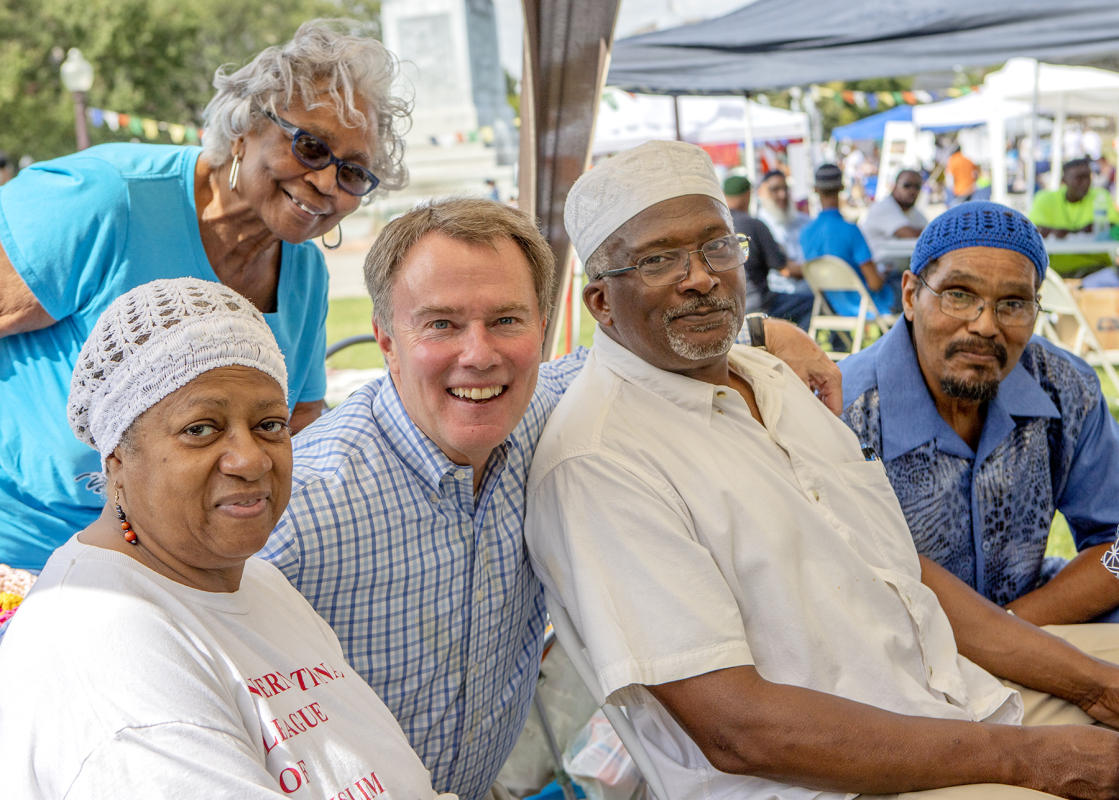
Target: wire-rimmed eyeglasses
point(1013, 312)
point(313, 153)
point(672, 266)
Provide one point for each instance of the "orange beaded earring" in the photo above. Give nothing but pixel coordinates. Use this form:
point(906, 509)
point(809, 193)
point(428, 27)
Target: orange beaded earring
point(129, 534)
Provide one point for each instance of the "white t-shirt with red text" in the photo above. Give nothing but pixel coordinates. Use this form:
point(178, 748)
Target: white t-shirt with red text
point(117, 682)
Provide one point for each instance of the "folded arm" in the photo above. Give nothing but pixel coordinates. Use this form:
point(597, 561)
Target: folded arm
point(745, 724)
point(19, 310)
point(1015, 649)
point(1078, 593)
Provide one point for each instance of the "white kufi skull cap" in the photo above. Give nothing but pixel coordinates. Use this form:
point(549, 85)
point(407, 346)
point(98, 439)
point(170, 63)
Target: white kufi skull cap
point(621, 187)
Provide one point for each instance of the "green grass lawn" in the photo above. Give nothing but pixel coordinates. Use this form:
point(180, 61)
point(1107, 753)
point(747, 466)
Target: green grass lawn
point(351, 317)
point(348, 317)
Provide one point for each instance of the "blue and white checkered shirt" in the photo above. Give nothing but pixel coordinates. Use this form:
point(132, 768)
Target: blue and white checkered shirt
point(429, 589)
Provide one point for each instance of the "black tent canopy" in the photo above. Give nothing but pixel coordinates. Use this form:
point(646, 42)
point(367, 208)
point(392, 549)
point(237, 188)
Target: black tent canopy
point(772, 44)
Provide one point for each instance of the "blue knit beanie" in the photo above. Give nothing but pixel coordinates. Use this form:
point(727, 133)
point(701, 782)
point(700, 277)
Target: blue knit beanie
point(980, 224)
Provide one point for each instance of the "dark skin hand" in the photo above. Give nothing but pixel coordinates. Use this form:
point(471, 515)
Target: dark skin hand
point(745, 724)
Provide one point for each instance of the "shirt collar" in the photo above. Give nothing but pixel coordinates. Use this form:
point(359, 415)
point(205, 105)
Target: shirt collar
point(908, 414)
point(410, 443)
point(686, 393)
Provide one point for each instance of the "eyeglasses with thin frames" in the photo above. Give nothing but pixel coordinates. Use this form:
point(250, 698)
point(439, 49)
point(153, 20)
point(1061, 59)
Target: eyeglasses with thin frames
point(1012, 312)
point(313, 153)
point(672, 266)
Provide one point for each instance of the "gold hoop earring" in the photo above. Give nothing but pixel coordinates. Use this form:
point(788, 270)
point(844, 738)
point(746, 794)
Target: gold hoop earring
point(337, 244)
point(234, 172)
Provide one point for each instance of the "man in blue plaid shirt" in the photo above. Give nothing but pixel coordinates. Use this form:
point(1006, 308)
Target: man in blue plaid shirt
point(404, 529)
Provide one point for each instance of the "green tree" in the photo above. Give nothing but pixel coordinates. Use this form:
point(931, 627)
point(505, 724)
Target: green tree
point(151, 58)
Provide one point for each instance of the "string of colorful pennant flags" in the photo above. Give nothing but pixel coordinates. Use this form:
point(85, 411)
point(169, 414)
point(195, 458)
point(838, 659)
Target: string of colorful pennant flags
point(143, 126)
point(888, 99)
point(179, 133)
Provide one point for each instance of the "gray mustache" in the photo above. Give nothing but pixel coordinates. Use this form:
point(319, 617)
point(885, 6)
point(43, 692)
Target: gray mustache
point(979, 347)
point(704, 303)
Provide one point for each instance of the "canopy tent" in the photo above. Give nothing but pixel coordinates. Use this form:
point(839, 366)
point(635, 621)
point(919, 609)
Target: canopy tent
point(1058, 89)
point(969, 110)
point(871, 127)
point(1075, 90)
point(974, 108)
point(626, 120)
point(774, 43)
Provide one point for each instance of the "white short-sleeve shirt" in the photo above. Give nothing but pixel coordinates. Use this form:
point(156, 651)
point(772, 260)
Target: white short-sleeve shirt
point(883, 219)
point(684, 537)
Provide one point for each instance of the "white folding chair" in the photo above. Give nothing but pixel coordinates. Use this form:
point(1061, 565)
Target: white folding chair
point(832, 274)
point(573, 645)
point(1057, 302)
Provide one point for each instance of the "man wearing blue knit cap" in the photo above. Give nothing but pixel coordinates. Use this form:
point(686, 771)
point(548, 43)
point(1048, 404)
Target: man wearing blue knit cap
point(985, 430)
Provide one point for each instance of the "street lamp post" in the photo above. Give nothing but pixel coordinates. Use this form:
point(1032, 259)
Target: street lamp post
point(77, 77)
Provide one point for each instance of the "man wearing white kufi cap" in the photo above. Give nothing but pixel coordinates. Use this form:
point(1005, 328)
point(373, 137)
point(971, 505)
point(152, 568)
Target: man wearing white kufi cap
point(408, 498)
point(737, 566)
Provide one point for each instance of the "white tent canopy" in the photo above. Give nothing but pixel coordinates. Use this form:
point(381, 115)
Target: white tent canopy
point(626, 120)
point(1055, 88)
point(971, 109)
point(1078, 90)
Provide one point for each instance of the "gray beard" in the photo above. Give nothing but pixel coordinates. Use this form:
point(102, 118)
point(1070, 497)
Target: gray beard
point(774, 211)
point(684, 347)
point(974, 391)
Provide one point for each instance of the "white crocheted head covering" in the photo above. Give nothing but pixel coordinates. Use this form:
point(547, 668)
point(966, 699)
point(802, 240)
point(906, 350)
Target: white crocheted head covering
point(154, 340)
point(621, 187)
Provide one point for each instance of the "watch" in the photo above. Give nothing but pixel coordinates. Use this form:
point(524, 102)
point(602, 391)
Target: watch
point(755, 327)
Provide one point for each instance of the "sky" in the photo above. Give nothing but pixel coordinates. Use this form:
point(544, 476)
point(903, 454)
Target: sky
point(634, 16)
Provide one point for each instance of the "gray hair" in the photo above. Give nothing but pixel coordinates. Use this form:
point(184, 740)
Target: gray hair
point(327, 62)
point(471, 220)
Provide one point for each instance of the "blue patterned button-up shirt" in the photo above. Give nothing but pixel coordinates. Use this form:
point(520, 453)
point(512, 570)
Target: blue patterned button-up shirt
point(1048, 443)
point(427, 586)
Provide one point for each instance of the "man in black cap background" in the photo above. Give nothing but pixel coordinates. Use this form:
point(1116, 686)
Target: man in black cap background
point(830, 234)
point(766, 256)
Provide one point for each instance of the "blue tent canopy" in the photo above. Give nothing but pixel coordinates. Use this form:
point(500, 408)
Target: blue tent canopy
point(872, 127)
point(773, 44)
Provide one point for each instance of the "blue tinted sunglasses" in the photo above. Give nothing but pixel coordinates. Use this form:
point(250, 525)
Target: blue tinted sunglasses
point(312, 152)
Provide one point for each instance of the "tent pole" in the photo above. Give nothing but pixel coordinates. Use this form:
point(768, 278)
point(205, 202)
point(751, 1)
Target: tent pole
point(676, 117)
point(748, 145)
point(1115, 188)
point(996, 137)
point(1057, 148)
point(1035, 143)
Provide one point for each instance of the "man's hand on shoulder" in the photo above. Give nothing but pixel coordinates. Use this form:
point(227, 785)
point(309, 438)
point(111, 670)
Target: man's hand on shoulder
point(793, 346)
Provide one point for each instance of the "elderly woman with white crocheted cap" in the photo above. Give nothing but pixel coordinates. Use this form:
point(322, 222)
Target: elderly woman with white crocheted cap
point(293, 142)
point(155, 657)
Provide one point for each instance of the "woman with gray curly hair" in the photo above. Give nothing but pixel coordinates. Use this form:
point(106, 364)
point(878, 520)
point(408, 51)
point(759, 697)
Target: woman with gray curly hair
point(294, 141)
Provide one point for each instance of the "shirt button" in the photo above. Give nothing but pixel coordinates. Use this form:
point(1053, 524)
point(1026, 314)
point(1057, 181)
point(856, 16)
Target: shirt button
point(719, 411)
point(815, 495)
point(986, 547)
point(720, 393)
point(460, 474)
point(435, 498)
